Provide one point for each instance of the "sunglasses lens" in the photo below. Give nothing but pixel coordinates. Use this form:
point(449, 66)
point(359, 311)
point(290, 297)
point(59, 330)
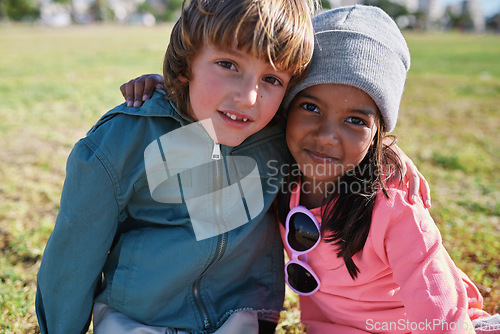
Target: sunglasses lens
point(303, 232)
point(300, 278)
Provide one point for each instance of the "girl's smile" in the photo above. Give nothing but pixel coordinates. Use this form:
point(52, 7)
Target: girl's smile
point(320, 157)
point(330, 128)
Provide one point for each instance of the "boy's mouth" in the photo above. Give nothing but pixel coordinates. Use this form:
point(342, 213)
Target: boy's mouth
point(235, 117)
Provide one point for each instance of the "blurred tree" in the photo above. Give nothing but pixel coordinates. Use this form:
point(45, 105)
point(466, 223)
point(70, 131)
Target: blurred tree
point(173, 10)
point(420, 20)
point(325, 4)
point(2, 11)
point(18, 10)
point(493, 23)
point(461, 21)
point(162, 10)
point(394, 10)
point(100, 10)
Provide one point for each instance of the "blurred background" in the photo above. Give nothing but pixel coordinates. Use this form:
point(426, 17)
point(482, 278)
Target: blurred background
point(469, 15)
point(62, 63)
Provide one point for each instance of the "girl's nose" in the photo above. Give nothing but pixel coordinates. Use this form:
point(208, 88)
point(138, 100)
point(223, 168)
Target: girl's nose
point(327, 132)
point(246, 93)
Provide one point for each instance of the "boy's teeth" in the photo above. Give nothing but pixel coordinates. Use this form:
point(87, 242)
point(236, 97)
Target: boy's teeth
point(234, 117)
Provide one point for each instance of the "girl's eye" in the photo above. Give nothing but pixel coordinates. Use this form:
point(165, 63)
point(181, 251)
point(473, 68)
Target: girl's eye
point(309, 107)
point(355, 121)
point(272, 80)
point(226, 64)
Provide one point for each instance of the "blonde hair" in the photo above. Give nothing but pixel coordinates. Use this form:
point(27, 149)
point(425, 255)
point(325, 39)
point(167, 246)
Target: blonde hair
point(277, 31)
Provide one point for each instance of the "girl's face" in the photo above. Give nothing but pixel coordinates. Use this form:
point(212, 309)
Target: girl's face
point(329, 130)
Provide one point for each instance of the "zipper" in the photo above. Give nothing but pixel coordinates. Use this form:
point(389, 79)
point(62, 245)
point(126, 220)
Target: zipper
point(221, 238)
point(216, 155)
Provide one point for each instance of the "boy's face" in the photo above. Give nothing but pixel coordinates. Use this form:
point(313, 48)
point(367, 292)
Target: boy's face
point(239, 93)
point(329, 130)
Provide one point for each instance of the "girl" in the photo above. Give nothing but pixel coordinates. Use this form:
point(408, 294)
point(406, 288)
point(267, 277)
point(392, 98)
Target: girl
point(362, 257)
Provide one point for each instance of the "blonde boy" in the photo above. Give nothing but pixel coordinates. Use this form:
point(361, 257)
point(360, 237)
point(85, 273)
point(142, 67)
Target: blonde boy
point(137, 261)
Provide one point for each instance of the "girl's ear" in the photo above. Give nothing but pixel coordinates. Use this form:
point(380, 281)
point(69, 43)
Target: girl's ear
point(183, 79)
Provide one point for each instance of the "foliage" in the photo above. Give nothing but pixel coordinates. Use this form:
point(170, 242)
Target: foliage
point(18, 10)
point(325, 4)
point(168, 11)
point(462, 21)
point(56, 83)
point(394, 9)
point(493, 23)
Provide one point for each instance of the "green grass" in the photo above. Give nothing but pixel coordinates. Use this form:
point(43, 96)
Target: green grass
point(54, 84)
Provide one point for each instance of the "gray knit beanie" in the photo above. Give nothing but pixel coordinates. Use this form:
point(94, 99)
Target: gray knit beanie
point(359, 46)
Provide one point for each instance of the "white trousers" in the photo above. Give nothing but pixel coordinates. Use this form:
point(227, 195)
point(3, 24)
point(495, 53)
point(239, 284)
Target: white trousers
point(109, 321)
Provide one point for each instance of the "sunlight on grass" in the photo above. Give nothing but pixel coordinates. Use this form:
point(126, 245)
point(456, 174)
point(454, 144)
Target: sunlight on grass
point(55, 84)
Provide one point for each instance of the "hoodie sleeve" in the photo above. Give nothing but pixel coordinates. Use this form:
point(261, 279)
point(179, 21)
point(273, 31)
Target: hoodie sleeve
point(78, 246)
point(431, 286)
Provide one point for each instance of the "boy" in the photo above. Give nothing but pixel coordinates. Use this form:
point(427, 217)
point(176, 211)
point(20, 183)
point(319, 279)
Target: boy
point(148, 234)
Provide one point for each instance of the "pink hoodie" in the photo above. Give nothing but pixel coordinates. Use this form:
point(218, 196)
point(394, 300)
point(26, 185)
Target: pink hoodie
point(407, 281)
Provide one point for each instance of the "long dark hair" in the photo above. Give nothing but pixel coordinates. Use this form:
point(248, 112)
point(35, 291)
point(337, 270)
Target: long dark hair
point(347, 210)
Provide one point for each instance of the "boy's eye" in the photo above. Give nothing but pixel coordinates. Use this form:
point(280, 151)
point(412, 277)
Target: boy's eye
point(309, 107)
point(272, 80)
point(355, 121)
point(226, 64)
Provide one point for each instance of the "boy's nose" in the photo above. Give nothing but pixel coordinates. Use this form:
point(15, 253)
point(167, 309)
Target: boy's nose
point(246, 93)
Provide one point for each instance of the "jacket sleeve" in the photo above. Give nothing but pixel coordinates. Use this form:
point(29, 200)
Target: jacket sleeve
point(78, 246)
point(431, 286)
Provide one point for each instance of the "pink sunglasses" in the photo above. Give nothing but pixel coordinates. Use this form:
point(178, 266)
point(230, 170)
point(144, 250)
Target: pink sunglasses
point(302, 236)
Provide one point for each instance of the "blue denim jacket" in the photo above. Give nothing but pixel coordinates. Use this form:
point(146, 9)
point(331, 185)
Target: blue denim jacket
point(113, 243)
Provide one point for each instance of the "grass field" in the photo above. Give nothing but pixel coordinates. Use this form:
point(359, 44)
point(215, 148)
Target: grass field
point(54, 84)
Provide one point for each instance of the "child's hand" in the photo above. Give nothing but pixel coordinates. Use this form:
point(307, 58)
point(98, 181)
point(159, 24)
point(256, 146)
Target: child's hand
point(138, 90)
point(416, 180)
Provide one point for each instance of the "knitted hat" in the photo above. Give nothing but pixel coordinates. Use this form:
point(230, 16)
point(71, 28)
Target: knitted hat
point(359, 46)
